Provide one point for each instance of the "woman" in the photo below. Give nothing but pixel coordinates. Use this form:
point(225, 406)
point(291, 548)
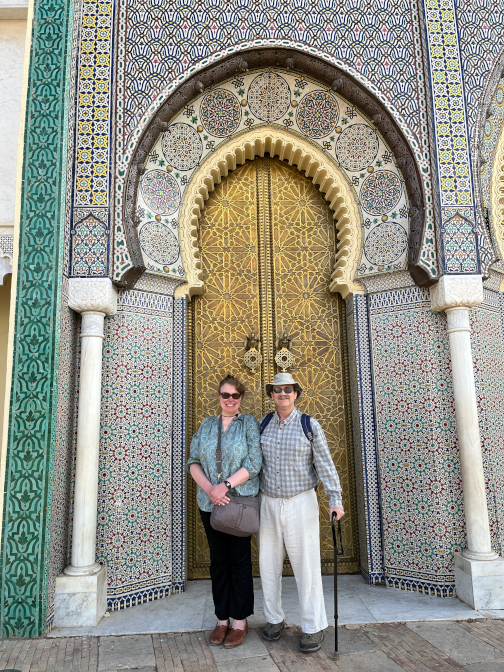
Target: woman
point(230, 556)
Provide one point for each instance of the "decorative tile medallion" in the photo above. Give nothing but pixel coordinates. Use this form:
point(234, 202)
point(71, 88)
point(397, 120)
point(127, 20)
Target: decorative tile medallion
point(220, 113)
point(289, 101)
point(386, 243)
point(161, 192)
point(380, 192)
point(357, 147)
point(182, 147)
point(159, 243)
point(317, 114)
point(269, 96)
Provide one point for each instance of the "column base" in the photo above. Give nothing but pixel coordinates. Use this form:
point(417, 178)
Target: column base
point(480, 583)
point(82, 571)
point(80, 600)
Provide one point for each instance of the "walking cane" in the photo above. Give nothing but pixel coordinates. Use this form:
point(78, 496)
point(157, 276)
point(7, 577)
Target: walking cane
point(337, 552)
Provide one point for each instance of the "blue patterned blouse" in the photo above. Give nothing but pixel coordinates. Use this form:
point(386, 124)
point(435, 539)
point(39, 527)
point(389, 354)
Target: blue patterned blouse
point(240, 447)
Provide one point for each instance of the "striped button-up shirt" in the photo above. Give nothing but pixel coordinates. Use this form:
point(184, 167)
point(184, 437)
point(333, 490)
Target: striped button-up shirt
point(290, 467)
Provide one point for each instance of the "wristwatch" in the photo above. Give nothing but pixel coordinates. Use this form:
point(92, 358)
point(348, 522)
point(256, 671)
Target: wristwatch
point(228, 485)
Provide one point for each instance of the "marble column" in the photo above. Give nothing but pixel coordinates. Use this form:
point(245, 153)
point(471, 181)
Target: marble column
point(81, 592)
point(476, 567)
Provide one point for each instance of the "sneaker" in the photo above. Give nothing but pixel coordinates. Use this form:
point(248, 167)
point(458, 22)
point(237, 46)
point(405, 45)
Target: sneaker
point(311, 642)
point(272, 631)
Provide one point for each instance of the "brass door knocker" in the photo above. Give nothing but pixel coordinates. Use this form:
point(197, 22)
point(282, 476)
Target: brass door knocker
point(252, 358)
point(284, 357)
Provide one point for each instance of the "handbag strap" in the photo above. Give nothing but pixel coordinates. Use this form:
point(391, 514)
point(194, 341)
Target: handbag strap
point(218, 452)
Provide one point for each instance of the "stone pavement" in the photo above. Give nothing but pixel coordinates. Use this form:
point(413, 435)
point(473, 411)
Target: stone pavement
point(441, 646)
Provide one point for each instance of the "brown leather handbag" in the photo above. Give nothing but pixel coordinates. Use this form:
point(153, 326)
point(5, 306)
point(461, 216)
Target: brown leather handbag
point(240, 517)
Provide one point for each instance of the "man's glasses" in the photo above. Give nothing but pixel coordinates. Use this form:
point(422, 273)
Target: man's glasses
point(279, 390)
point(226, 395)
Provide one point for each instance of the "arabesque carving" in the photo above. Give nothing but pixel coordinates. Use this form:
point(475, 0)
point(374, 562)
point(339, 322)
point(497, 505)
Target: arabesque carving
point(497, 195)
point(298, 152)
point(457, 291)
point(92, 294)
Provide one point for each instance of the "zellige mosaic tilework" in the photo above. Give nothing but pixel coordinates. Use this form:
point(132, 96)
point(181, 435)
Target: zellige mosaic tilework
point(420, 485)
point(274, 97)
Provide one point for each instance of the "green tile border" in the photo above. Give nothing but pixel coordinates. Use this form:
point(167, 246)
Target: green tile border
point(24, 555)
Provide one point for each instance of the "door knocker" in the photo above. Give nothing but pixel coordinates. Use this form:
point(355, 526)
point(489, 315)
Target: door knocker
point(252, 358)
point(284, 357)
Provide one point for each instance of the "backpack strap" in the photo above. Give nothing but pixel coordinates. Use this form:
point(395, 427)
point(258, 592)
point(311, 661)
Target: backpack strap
point(307, 428)
point(265, 422)
point(308, 432)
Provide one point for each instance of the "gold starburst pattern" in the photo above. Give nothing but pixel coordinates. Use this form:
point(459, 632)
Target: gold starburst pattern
point(267, 241)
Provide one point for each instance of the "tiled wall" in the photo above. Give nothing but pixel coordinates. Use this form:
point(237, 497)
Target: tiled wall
point(488, 356)
point(141, 479)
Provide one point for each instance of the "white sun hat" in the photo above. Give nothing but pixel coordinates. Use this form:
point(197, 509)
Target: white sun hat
point(283, 379)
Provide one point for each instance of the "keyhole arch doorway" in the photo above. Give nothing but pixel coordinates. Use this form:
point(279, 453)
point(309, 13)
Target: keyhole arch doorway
point(267, 244)
point(309, 159)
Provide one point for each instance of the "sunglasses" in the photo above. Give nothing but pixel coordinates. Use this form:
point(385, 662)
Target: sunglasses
point(226, 395)
point(279, 390)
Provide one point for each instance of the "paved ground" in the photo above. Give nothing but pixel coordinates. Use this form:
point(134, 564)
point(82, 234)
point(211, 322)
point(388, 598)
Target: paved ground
point(442, 646)
point(358, 603)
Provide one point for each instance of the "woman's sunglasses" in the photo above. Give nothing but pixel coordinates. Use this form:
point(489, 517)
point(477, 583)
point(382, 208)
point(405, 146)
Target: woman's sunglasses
point(226, 395)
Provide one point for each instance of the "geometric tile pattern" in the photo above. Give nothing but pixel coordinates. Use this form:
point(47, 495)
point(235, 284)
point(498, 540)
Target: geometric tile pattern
point(33, 404)
point(89, 243)
point(450, 124)
point(382, 50)
point(480, 28)
point(365, 439)
point(480, 25)
point(93, 116)
point(177, 36)
point(420, 484)
point(458, 240)
point(487, 340)
point(279, 99)
point(141, 483)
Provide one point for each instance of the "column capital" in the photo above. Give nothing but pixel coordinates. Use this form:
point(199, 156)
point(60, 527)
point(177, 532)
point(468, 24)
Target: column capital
point(92, 294)
point(456, 291)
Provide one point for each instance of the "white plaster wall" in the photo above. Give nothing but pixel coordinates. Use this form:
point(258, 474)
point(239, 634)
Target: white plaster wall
point(12, 45)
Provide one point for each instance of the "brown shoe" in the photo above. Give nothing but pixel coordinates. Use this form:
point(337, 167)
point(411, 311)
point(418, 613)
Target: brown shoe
point(218, 635)
point(236, 637)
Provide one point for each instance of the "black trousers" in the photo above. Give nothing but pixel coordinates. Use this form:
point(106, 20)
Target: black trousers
point(231, 572)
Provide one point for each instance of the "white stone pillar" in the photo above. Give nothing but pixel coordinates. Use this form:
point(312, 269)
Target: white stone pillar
point(456, 295)
point(81, 593)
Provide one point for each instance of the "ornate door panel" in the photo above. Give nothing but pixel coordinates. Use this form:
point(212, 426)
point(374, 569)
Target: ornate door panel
point(267, 244)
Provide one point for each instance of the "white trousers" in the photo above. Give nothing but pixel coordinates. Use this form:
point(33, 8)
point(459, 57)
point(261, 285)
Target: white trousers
point(292, 525)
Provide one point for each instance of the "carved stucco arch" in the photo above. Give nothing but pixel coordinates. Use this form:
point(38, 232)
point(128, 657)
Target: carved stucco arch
point(497, 195)
point(306, 157)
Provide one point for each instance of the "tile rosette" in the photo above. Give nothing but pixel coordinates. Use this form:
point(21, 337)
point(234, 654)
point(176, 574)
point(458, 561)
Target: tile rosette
point(276, 98)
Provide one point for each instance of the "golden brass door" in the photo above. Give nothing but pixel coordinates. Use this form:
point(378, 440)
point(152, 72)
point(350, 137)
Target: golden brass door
point(267, 242)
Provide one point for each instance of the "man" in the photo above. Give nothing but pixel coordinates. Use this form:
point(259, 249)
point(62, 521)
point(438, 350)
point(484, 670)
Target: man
point(289, 513)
